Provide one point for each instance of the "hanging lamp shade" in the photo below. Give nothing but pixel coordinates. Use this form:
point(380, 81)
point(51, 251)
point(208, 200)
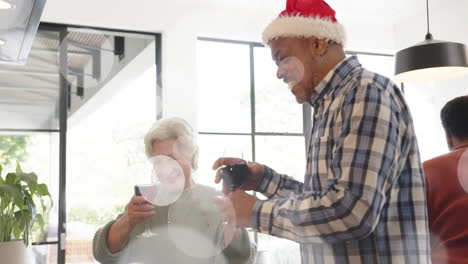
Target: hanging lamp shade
point(431, 60)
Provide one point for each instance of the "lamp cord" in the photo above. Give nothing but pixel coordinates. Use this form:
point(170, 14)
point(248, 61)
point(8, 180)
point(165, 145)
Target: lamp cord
point(428, 35)
point(427, 15)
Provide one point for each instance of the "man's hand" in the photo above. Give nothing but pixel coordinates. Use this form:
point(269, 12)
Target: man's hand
point(236, 207)
point(256, 172)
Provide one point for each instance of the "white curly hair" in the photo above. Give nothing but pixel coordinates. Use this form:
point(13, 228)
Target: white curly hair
point(173, 128)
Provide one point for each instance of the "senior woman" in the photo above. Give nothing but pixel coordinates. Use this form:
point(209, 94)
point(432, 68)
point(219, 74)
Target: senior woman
point(188, 230)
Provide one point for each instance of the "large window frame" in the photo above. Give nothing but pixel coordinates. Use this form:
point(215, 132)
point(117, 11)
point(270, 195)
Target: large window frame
point(306, 108)
point(64, 110)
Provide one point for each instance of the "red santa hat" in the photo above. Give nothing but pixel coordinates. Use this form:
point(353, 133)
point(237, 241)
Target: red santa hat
point(306, 18)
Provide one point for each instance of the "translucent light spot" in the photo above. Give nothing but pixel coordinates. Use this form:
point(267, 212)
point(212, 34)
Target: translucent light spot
point(193, 242)
point(98, 48)
point(294, 71)
point(462, 170)
point(438, 250)
point(168, 177)
point(209, 235)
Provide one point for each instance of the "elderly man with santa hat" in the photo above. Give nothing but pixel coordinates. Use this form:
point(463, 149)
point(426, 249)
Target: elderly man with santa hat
point(363, 197)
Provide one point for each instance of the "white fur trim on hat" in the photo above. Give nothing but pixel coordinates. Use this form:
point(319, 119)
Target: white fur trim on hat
point(299, 26)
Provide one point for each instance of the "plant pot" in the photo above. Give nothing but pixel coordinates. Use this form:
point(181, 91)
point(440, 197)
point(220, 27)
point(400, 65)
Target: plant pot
point(13, 252)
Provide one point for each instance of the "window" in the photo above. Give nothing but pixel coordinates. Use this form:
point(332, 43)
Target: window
point(238, 115)
point(383, 64)
point(111, 84)
point(36, 152)
point(244, 110)
point(106, 157)
point(425, 101)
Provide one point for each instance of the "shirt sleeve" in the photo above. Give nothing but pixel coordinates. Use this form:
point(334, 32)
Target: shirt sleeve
point(101, 251)
point(362, 168)
point(275, 185)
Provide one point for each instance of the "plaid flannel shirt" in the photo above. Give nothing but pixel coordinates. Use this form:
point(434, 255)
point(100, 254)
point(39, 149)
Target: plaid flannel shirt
point(363, 197)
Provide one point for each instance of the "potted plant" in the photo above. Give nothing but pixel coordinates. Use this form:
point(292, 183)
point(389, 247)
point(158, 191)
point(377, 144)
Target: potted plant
point(20, 193)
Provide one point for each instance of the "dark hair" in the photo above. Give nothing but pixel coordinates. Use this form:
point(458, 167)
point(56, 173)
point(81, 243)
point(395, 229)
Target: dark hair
point(454, 117)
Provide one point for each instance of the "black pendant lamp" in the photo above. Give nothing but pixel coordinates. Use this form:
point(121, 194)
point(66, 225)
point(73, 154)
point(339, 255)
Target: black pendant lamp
point(431, 60)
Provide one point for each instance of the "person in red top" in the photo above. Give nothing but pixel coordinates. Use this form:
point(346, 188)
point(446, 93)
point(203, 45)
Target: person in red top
point(447, 188)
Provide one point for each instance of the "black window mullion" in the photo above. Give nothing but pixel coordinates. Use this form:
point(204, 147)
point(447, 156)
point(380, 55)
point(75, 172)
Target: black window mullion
point(45, 243)
point(252, 99)
point(252, 112)
point(253, 133)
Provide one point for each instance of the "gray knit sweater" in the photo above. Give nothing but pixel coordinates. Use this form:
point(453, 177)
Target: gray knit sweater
point(188, 231)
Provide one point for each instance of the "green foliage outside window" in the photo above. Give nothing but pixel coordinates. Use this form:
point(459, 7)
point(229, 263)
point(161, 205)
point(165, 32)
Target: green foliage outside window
point(95, 217)
point(13, 148)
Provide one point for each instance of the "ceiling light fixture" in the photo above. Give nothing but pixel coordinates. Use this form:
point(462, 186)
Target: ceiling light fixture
point(5, 5)
point(431, 59)
point(2, 42)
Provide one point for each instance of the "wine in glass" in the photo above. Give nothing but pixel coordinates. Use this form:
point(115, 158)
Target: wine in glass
point(148, 191)
point(233, 175)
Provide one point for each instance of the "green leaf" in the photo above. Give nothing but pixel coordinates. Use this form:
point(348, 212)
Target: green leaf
point(27, 177)
point(43, 190)
point(11, 178)
point(44, 207)
point(23, 220)
point(17, 231)
point(1, 169)
point(12, 191)
point(30, 207)
point(18, 167)
point(19, 203)
point(28, 200)
point(40, 221)
point(26, 219)
point(19, 220)
point(30, 179)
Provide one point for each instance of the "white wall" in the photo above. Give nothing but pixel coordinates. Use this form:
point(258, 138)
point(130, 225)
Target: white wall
point(182, 21)
point(448, 21)
point(132, 70)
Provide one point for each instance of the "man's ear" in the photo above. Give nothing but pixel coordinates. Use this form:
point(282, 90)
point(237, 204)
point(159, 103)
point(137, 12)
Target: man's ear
point(449, 140)
point(319, 46)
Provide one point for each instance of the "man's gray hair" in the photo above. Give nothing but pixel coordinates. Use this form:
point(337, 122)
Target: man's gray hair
point(173, 128)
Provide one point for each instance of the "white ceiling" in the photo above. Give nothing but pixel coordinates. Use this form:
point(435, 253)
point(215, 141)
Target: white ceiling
point(372, 25)
point(390, 11)
point(358, 16)
point(387, 11)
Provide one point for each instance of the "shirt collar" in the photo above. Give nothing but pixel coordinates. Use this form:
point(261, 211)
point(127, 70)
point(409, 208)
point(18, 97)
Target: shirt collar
point(333, 79)
point(459, 147)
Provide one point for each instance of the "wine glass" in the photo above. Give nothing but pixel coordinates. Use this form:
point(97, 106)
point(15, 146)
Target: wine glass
point(148, 191)
point(233, 176)
point(166, 184)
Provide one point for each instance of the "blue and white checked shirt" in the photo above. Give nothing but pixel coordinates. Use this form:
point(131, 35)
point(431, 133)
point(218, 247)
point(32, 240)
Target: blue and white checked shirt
point(363, 200)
